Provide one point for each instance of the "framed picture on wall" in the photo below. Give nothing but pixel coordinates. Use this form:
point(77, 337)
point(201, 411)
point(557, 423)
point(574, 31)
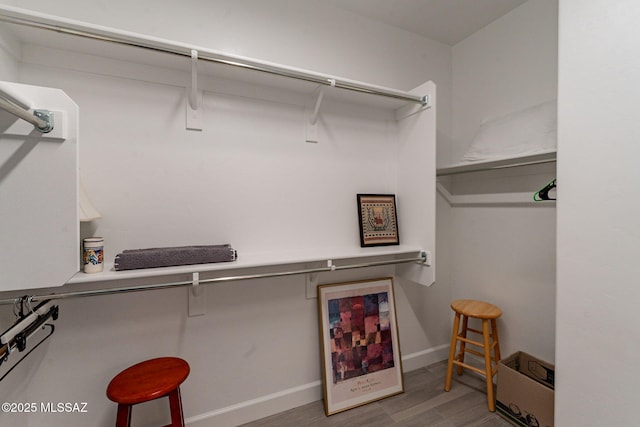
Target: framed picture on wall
point(378, 220)
point(359, 341)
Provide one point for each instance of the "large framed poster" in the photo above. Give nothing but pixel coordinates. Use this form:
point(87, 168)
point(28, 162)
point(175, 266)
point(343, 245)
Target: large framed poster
point(359, 341)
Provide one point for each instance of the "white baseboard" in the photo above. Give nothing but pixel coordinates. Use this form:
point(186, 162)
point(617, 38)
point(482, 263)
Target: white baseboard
point(283, 400)
point(423, 358)
point(260, 407)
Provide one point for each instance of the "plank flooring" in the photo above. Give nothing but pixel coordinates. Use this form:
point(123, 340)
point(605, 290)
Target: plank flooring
point(424, 403)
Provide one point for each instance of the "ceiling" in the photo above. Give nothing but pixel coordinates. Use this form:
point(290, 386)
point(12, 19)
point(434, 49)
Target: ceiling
point(446, 21)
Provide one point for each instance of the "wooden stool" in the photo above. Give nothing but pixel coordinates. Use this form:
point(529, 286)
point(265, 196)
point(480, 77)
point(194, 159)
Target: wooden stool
point(488, 313)
point(147, 381)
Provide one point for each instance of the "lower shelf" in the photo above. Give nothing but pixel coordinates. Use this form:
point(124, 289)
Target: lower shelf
point(315, 259)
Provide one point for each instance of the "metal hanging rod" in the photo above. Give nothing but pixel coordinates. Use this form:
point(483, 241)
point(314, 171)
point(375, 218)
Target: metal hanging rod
point(140, 288)
point(41, 119)
point(15, 16)
point(491, 168)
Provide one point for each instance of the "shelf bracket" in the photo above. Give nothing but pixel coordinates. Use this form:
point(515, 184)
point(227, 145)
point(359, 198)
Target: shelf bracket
point(311, 281)
point(194, 97)
point(314, 117)
point(197, 297)
point(311, 284)
point(311, 119)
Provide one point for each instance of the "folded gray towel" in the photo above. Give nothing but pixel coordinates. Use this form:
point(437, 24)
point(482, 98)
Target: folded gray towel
point(132, 259)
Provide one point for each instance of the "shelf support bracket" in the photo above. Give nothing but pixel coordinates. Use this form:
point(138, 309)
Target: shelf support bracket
point(311, 284)
point(314, 117)
point(197, 297)
point(311, 119)
point(194, 97)
point(311, 281)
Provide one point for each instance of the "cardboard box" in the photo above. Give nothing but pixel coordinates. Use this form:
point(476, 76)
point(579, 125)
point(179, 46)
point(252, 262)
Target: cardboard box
point(525, 390)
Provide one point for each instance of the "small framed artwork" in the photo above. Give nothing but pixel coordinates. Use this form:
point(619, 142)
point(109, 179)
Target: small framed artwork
point(359, 341)
point(378, 220)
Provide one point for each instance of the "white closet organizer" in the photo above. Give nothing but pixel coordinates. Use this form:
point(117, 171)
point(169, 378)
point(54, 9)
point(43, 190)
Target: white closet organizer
point(414, 112)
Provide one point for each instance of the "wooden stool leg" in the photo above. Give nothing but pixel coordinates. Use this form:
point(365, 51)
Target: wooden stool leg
point(452, 352)
point(487, 364)
point(175, 404)
point(463, 344)
point(494, 334)
point(123, 419)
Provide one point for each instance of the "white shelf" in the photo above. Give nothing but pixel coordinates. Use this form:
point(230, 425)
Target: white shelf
point(51, 32)
point(251, 261)
point(506, 162)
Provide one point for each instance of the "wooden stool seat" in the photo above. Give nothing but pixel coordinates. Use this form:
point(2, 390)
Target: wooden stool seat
point(146, 381)
point(476, 309)
point(487, 313)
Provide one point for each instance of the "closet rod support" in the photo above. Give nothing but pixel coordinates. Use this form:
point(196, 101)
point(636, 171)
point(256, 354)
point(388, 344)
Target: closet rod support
point(47, 117)
point(41, 119)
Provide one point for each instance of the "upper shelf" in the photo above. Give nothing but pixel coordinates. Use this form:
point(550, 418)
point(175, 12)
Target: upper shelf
point(61, 33)
point(507, 162)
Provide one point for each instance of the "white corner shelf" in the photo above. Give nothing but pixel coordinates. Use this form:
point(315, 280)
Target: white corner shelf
point(501, 163)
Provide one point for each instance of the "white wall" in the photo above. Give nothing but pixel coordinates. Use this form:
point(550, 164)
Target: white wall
point(598, 210)
point(504, 254)
point(157, 184)
point(9, 56)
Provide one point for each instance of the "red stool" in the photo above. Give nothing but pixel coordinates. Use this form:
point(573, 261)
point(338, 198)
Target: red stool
point(148, 381)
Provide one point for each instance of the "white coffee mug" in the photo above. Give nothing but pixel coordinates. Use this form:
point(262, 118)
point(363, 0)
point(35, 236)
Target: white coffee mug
point(93, 258)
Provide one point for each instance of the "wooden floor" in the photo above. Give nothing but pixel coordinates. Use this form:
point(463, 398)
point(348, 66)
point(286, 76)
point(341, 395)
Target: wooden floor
point(424, 403)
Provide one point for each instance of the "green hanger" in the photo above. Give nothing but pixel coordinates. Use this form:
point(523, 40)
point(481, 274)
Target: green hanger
point(543, 193)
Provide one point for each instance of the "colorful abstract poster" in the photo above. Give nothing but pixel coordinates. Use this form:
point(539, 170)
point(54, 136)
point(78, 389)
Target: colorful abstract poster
point(361, 354)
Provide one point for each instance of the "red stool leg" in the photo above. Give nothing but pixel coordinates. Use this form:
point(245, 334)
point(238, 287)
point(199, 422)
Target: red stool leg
point(175, 404)
point(123, 418)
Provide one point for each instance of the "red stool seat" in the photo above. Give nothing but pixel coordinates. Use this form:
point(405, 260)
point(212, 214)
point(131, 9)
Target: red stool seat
point(147, 381)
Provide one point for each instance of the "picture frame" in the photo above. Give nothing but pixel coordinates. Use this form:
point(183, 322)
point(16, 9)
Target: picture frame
point(360, 346)
point(378, 220)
